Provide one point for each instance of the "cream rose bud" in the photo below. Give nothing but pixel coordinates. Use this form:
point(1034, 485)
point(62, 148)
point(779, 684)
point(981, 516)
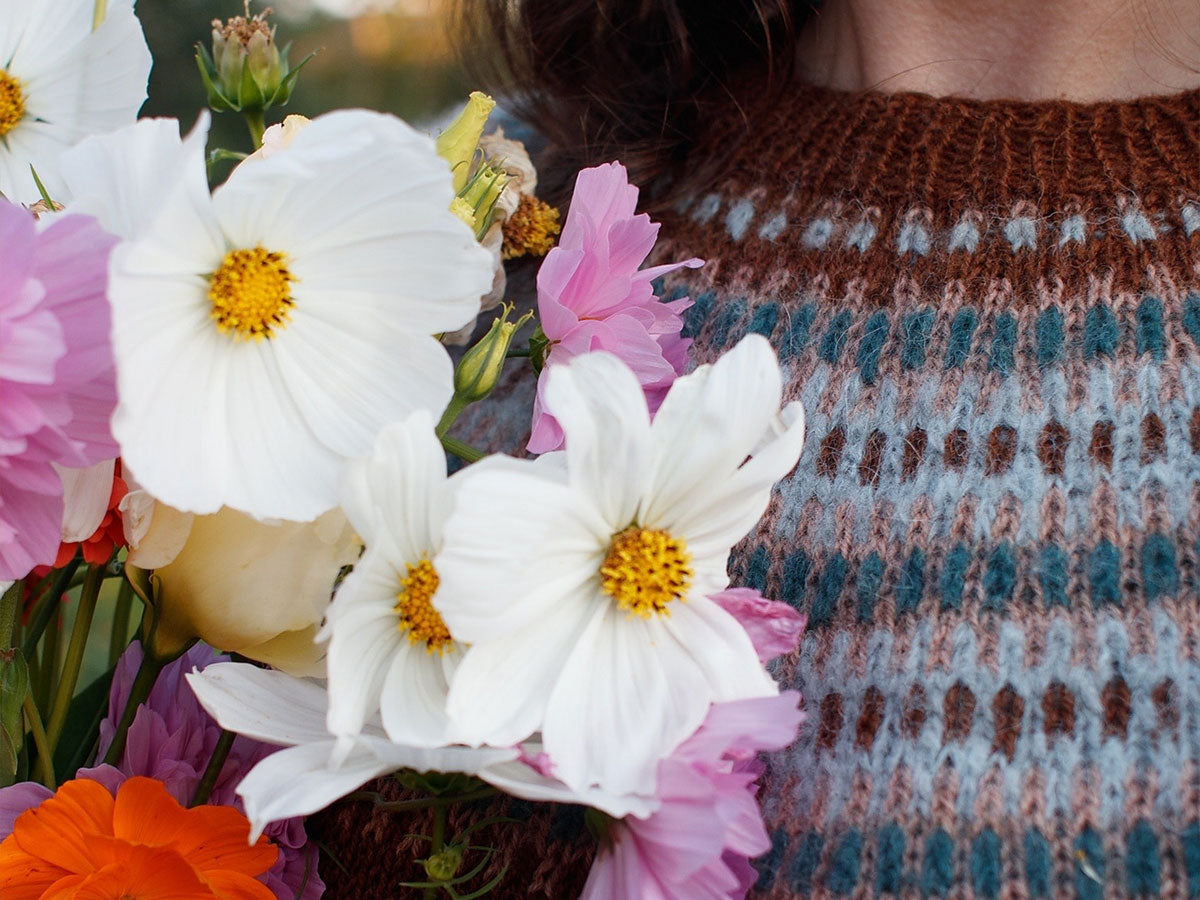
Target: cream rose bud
point(241, 585)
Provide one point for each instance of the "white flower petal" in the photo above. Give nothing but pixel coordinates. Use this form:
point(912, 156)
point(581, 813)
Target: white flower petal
point(126, 179)
point(706, 427)
point(413, 700)
point(85, 498)
point(398, 490)
point(602, 410)
point(517, 542)
point(262, 704)
point(500, 689)
point(520, 780)
point(364, 641)
point(623, 701)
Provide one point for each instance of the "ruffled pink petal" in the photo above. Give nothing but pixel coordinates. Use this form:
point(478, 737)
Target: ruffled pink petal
point(774, 628)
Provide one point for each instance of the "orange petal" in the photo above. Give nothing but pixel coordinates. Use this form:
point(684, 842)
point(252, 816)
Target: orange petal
point(58, 830)
point(144, 813)
point(147, 873)
point(220, 839)
point(235, 886)
point(24, 877)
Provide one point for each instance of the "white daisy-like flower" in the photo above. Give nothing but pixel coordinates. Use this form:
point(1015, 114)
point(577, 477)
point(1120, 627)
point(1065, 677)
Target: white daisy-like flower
point(265, 333)
point(390, 653)
point(313, 771)
point(60, 81)
point(584, 598)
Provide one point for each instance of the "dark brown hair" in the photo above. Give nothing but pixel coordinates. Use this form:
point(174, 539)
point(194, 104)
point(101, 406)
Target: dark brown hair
point(635, 80)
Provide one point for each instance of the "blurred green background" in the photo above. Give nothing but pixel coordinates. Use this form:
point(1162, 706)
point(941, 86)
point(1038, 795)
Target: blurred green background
point(390, 55)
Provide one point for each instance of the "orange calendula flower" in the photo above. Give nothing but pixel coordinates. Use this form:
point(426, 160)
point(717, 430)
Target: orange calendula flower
point(84, 843)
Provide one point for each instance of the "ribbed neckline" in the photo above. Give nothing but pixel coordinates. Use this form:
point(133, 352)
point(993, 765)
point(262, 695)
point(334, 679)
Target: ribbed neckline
point(944, 152)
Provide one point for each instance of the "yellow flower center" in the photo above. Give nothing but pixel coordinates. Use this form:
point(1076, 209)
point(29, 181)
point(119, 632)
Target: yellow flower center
point(645, 570)
point(531, 229)
point(12, 103)
point(251, 293)
point(414, 605)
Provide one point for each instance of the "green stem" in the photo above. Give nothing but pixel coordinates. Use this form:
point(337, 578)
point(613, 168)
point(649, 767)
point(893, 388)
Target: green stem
point(453, 411)
point(48, 663)
point(437, 842)
point(99, 11)
point(518, 353)
point(398, 806)
point(120, 623)
point(74, 661)
point(215, 763)
point(143, 683)
point(256, 125)
point(461, 450)
point(39, 740)
point(8, 613)
point(48, 605)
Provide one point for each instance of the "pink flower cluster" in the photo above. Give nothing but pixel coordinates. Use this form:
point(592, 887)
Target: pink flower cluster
point(592, 296)
point(57, 388)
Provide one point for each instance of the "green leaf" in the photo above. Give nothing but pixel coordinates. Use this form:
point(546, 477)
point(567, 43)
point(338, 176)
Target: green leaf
point(208, 74)
point(82, 728)
point(14, 685)
point(284, 92)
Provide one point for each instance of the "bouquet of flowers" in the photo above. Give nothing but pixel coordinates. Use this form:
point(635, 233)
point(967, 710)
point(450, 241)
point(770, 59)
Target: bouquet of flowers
point(232, 411)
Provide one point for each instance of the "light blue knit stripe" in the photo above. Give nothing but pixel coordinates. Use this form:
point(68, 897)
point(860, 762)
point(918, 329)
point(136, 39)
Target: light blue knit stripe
point(1059, 757)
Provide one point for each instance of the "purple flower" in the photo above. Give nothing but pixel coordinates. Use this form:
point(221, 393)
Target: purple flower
point(57, 388)
point(591, 295)
point(172, 739)
point(700, 840)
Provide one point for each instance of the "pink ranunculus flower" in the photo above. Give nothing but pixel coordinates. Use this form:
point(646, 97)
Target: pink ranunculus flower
point(172, 739)
point(707, 828)
point(592, 295)
point(57, 387)
point(774, 628)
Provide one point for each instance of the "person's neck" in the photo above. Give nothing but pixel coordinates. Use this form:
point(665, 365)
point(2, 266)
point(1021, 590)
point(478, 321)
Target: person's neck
point(1079, 50)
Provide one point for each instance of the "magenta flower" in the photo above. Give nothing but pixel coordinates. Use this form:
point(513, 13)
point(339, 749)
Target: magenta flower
point(700, 840)
point(57, 388)
point(774, 628)
point(591, 295)
point(172, 739)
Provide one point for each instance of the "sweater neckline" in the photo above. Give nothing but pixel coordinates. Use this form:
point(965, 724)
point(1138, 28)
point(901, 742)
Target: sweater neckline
point(944, 152)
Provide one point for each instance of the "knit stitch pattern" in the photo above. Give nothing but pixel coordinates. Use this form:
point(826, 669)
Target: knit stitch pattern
point(991, 313)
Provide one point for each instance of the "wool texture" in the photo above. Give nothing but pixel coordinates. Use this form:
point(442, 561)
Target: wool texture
point(991, 313)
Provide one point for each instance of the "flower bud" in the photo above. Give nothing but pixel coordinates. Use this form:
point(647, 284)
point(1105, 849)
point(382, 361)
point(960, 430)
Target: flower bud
point(246, 71)
point(458, 143)
point(479, 369)
point(480, 195)
point(443, 865)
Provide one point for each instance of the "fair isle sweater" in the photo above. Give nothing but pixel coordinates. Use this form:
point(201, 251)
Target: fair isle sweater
point(991, 313)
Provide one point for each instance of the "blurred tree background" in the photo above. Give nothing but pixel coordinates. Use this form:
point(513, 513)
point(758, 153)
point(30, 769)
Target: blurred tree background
point(390, 55)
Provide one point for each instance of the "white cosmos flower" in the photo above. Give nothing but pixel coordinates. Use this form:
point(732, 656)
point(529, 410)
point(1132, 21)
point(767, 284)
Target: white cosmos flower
point(280, 709)
point(265, 333)
point(389, 650)
point(584, 598)
point(61, 81)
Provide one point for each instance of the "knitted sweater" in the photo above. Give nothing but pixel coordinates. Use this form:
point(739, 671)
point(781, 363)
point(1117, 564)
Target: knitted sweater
point(991, 312)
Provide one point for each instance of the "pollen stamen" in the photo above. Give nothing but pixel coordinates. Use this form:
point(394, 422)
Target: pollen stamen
point(12, 103)
point(251, 293)
point(419, 619)
point(646, 570)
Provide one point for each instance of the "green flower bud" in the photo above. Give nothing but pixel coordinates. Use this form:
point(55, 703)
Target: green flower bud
point(246, 71)
point(458, 143)
point(479, 369)
point(443, 865)
point(480, 195)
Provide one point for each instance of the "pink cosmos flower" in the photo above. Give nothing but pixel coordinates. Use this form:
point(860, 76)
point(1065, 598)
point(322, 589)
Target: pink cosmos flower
point(591, 295)
point(700, 840)
point(774, 628)
point(172, 739)
point(57, 388)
